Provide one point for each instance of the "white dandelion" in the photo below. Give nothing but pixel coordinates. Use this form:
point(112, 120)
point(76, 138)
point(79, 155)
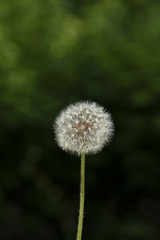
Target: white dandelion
point(83, 127)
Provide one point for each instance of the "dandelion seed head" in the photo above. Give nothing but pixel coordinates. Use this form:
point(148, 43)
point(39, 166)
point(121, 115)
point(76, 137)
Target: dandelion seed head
point(83, 127)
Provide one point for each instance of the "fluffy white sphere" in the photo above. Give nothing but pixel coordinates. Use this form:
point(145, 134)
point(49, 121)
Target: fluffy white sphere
point(83, 127)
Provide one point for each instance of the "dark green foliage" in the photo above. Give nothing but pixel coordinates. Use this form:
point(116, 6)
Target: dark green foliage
point(54, 53)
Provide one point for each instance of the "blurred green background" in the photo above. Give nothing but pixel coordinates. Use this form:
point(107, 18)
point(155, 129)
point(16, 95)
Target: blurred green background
point(56, 52)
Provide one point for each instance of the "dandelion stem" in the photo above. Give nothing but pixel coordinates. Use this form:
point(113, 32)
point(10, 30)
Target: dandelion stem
point(82, 193)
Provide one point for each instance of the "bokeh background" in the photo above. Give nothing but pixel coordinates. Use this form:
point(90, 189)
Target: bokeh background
point(56, 52)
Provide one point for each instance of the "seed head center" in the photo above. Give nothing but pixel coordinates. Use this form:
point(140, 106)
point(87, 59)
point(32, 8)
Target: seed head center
point(83, 126)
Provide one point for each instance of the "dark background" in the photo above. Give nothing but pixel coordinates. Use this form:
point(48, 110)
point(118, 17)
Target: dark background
point(56, 52)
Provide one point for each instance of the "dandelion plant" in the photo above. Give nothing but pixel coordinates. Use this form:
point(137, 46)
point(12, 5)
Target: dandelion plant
point(83, 128)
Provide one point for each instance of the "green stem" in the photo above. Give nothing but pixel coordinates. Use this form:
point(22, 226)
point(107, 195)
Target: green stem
point(82, 191)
